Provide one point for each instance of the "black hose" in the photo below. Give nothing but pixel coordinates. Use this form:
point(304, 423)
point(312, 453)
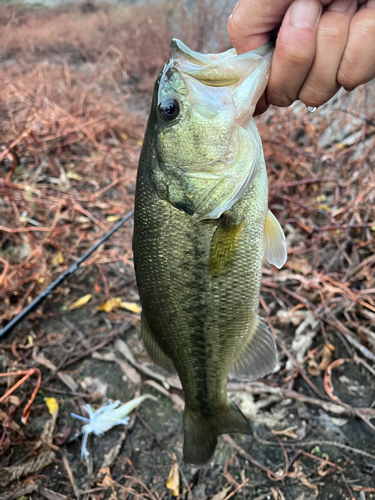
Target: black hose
point(9, 327)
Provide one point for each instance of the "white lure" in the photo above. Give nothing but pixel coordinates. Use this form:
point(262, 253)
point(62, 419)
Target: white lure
point(106, 417)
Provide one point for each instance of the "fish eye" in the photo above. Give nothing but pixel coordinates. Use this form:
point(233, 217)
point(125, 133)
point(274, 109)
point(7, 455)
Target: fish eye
point(169, 109)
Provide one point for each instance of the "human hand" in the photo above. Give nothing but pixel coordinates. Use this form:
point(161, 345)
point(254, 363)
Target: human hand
point(322, 45)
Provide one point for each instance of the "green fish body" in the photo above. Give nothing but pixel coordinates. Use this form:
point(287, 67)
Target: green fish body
point(201, 229)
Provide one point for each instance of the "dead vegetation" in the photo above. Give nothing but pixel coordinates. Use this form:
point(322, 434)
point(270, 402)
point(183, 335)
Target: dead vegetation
point(72, 113)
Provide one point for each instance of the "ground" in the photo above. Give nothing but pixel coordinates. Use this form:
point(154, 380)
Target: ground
point(75, 90)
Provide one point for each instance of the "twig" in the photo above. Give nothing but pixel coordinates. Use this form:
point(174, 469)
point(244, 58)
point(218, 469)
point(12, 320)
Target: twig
point(317, 443)
point(65, 461)
point(110, 338)
point(239, 487)
point(27, 375)
point(271, 475)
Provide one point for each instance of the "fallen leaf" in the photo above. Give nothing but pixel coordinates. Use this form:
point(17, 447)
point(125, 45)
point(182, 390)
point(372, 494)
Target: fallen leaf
point(72, 175)
point(323, 206)
point(222, 494)
point(52, 405)
point(57, 259)
point(113, 218)
point(13, 400)
point(328, 350)
point(324, 468)
point(313, 368)
point(286, 432)
point(365, 489)
point(173, 482)
point(81, 302)
point(109, 305)
point(320, 198)
point(131, 306)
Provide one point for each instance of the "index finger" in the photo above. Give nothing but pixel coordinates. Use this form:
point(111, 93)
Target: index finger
point(253, 21)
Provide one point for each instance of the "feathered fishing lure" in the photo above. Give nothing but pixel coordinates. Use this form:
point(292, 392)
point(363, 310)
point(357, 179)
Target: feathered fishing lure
point(106, 417)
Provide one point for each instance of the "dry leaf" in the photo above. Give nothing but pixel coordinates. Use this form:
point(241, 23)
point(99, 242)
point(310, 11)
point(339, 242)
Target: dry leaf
point(366, 489)
point(277, 494)
point(13, 400)
point(313, 368)
point(298, 474)
point(328, 350)
point(287, 432)
point(131, 306)
point(80, 302)
point(52, 405)
point(173, 482)
point(57, 259)
point(72, 175)
point(113, 218)
point(222, 494)
point(4, 419)
point(109, 305)
point(320, 198)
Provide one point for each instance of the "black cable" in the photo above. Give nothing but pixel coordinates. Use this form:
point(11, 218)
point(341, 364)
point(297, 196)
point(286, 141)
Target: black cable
point(9, 327)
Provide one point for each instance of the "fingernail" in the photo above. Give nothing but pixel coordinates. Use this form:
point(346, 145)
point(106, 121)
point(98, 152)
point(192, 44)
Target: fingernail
point(305, 13)
point(340, 5)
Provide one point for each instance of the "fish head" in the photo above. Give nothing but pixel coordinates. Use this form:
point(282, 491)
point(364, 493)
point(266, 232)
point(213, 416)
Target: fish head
point(207, 147)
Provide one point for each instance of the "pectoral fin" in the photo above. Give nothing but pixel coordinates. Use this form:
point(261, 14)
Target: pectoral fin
point(153, 349)
point(258, 357)
point(223, 247)
point(274, 241)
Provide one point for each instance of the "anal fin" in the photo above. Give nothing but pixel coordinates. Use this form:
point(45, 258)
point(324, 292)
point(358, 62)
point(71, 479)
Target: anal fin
point(153, 349)
point(258, 357)
point(274, 241)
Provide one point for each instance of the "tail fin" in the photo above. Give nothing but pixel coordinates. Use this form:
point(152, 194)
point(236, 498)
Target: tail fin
point(201, 431)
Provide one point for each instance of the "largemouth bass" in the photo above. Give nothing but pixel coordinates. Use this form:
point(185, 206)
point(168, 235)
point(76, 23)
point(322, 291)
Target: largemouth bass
point(201, 229)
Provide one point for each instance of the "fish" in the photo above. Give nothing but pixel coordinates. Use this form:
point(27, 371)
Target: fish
point(201, 228)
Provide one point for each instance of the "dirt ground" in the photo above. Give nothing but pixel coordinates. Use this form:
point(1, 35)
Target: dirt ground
point(72, 116)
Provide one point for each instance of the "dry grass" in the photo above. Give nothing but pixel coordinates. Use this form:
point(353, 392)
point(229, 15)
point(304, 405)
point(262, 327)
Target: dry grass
point(322, 188)
point(71, 172)
point(141, 35)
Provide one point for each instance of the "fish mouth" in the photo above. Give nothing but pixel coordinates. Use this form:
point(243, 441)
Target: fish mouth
point(221, 91)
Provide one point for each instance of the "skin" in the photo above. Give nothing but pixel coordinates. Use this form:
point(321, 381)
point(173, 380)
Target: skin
point(322, 45)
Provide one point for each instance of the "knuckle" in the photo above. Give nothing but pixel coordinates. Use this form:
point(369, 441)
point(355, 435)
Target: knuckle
point(235, 29)
point(365, 26)
point(280, 100)
point(348, 79)
point(293, 55)
point(330, 33)
point(317, 91)
point(313, 99)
